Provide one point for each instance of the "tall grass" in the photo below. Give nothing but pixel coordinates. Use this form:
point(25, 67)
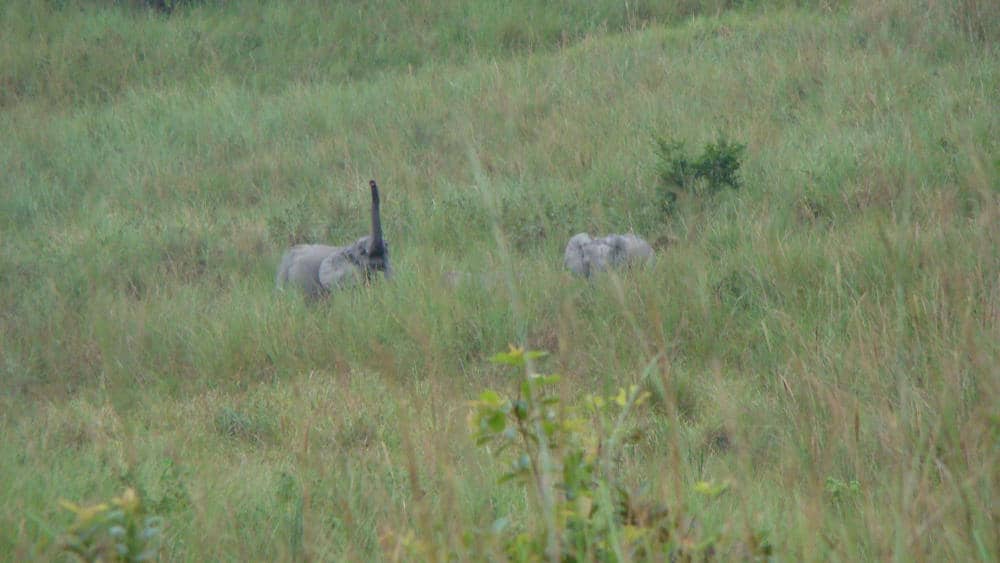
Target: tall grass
point(834, 320)
point(69, 52)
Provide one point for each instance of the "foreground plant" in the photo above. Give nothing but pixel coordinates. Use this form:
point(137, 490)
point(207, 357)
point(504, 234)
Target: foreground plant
point(115, 531)
point(568, 456)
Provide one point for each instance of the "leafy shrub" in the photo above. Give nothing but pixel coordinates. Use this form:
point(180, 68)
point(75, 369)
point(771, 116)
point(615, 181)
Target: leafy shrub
point(675, 168)
point(567, 456)
point(717, 167)
point(119, 531)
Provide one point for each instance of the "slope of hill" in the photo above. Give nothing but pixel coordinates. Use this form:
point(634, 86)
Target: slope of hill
point(825, 338)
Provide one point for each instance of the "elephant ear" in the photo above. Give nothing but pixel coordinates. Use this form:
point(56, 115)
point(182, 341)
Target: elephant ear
point(574, 257)
point(359, 251)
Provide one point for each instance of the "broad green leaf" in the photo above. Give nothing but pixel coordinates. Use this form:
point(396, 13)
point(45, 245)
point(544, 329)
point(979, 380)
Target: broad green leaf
point(491, 398)
point(549, 427)
point(710, 489)
point(513, 357)
point(526, 393)
point(497, 422)
point(550, 379)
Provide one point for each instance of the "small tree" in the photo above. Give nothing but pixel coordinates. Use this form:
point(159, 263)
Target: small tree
point(717, 167)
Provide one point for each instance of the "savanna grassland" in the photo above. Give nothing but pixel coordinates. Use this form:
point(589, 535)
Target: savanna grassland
point(824, 340)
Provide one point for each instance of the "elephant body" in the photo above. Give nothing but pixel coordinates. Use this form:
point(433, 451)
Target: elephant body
point(318, 268)
point(586, 255)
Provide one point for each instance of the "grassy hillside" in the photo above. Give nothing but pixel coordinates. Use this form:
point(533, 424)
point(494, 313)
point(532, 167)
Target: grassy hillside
point(826, 339)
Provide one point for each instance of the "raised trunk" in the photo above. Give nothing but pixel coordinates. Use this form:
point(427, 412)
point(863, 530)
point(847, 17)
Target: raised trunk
point(376, 246)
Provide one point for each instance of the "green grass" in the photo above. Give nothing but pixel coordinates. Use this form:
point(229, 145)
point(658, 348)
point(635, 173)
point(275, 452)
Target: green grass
point(837, 317)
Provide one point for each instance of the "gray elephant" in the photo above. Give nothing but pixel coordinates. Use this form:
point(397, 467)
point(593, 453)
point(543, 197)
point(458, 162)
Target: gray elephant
point(317, 268)
point(585, 255)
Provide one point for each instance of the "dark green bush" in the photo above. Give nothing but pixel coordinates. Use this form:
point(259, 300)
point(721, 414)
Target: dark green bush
point(717, 167)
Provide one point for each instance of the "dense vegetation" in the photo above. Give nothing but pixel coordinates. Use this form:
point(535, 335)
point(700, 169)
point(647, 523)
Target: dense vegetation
point(820, 337)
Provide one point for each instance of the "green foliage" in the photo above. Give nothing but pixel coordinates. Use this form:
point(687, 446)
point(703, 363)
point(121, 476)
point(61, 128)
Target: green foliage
point(115, 531)
point(675, 167)
point(568, 456)
point(717, 167)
